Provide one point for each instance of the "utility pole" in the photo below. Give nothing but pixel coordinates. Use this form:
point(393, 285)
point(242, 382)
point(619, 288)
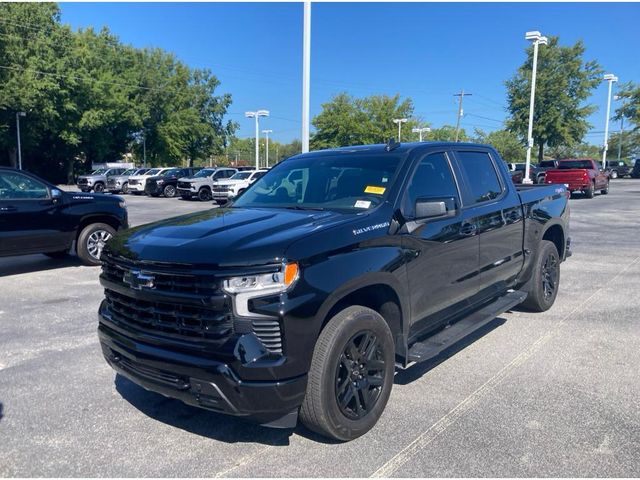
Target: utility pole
point(306, 71)
point(18, 115)
point(461, 95)
point(399, 122)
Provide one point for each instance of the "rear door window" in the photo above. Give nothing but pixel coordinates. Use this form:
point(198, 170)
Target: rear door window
point(480, 177)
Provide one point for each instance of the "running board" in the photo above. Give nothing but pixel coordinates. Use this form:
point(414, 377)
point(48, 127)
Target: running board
point(432, 346)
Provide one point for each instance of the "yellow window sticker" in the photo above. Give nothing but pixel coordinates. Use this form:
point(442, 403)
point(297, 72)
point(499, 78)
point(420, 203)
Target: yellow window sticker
point(376, 190)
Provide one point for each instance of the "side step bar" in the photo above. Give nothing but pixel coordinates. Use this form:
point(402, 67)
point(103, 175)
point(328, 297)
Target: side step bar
point(432, 346)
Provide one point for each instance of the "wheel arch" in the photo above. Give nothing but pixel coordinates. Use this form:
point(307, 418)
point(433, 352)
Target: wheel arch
point(97, 218)
point(555, 233)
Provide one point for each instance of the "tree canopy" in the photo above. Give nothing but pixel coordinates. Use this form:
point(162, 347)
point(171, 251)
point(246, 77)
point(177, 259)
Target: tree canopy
point(564, 83)
point(90, 98)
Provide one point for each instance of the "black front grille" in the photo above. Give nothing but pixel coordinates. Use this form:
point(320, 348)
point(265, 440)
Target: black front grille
point(82, 181)
point(163, 281)
point(176, 320)
point(186, 185)
point(111, 182)
point(153, 374)
point(134, 182)
point(221, 188)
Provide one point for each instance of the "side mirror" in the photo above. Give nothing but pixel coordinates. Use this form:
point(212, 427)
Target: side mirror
point(56, 195)
point(430, 208)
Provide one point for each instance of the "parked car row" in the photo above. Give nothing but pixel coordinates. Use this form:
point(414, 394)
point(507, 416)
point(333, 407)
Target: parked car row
point(215, 183)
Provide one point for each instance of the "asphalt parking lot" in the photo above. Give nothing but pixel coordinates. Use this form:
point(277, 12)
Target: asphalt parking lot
point(553, 394)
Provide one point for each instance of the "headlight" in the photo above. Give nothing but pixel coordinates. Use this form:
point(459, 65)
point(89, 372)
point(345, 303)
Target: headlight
point(264, 283)
point(118, 183)
point(251, 286)
point(159, 182)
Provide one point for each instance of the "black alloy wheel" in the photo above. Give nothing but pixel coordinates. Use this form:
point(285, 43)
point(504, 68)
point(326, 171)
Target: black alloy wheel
point(169, 191)
point(360, 375)
point(550, 274)
point(98, 187)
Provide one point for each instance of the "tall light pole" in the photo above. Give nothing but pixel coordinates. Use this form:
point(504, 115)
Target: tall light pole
point(18, 115)
point(421, 131)
point(266, 134)
point(306, 77)
point(624, 103)
point(257, 114)
point(537, 39)
point(400, 121)
point(609, 77)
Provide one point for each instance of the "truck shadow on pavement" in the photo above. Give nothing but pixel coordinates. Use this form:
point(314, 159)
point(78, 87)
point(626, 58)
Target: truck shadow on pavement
point(404, 377)
point(35, 263)
point(196, 420)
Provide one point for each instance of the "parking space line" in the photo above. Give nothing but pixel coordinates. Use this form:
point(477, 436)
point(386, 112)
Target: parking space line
point(435, 430)
point(243, 461)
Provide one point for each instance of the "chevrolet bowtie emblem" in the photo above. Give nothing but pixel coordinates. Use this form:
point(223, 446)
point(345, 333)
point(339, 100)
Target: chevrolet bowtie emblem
point(136, 279)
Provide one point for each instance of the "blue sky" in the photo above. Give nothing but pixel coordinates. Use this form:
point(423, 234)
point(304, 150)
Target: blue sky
point(426, 51)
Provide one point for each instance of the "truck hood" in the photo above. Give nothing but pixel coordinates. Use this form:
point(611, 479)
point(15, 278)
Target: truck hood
point(222, 237)
point(92, 177)
point(230, 182)
point(80, 197)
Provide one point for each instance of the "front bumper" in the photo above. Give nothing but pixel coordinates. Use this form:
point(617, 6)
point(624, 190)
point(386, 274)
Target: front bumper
point(186, 193)
point(154, 189)
point(200, 380)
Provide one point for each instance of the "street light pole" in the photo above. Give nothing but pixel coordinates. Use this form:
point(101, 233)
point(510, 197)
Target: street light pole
point(266, 134)
point(306, 74)
point(257, 114)
point(624, 104)
point(18, 115)
point(400, 121)
point(537, 39)
point(420, 131)
point(609, 77)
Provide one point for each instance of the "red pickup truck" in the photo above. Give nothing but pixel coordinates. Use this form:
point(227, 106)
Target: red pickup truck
point(579, 175)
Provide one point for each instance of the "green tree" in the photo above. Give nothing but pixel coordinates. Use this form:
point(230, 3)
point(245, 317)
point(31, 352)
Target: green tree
point(346, 120)
point(447, 133)
point(630, 107)
point(564, 83)
point(505, 142)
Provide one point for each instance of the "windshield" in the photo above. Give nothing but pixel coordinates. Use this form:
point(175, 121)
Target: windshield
point(240, 176)
point(347, 183)
point(547, 164)
point(99, 171)
point(566, 164)
point(131, 171)
point(205, 172)
point(153, 171)
point(168, 171)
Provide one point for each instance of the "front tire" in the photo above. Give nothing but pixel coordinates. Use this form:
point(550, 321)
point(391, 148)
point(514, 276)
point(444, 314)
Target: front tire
point(125, 188)
point(169, 191)
point(91, 242)
point(204, 194)
point(98, 187)
point(545, 279)
point(351, 375)
point(614, 174)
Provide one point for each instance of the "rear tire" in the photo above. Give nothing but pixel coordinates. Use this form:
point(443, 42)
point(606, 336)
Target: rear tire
point(204, 194)
point(606, 190)
point(91, 241)
point(589, 192)
point(351, 375)
point(543, 285)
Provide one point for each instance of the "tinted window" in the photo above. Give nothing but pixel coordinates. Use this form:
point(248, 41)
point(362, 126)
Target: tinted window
point(567, 164)
point(431, 179)
point(547, 164)
point(481, 177)
point(15, 186)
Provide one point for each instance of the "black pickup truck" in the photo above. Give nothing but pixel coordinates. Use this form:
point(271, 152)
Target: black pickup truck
point(335, 268)
point(38, 217)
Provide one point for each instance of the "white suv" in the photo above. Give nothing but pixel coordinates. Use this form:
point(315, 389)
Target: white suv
point(226, 190)
point(202, 183)
point(137, 183)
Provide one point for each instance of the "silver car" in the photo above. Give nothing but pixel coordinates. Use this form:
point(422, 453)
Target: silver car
point(97, 180)
point(120, 183)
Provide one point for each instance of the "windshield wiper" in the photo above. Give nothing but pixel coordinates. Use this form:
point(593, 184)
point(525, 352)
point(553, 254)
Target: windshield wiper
point(300, 207)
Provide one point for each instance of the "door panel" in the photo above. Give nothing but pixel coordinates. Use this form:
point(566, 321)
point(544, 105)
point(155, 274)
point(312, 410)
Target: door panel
point(28, 216)
point(443, 252)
